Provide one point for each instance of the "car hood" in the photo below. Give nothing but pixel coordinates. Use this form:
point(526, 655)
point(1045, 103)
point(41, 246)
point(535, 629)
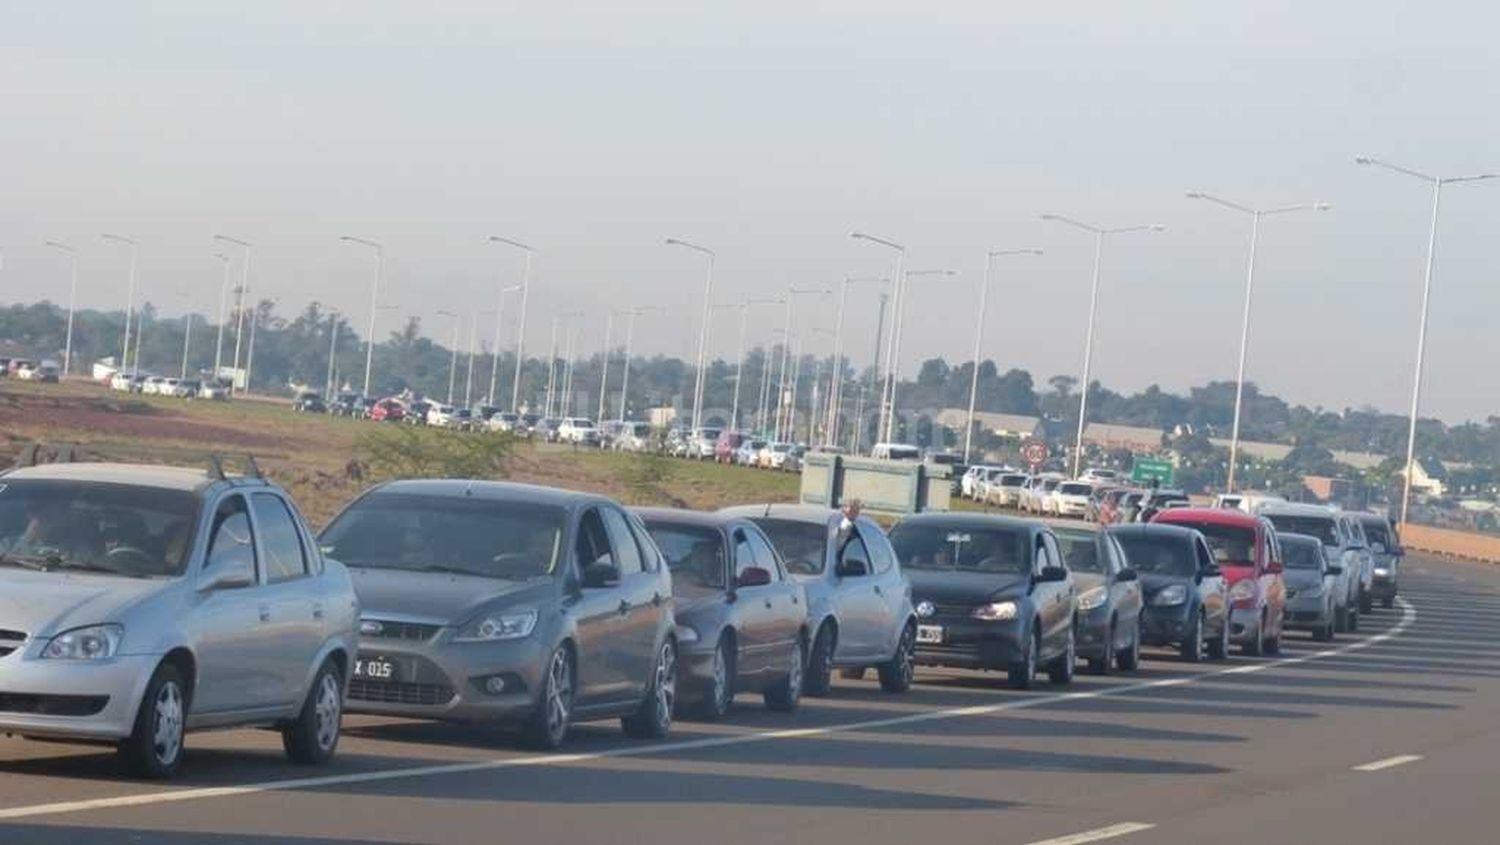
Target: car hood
point(944, 587)
point(439, 598)
point(1087, 580)
point(47, 602)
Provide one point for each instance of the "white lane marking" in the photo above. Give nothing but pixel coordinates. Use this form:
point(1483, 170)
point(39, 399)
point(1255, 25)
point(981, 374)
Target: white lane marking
point(1408, 616)
point(1110, 832)
point(1388, 763)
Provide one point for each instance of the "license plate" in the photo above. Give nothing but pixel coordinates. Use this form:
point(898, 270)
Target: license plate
point(929, 633)
point(375, 669)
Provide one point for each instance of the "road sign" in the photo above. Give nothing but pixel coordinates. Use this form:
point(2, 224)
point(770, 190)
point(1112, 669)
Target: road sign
point(1144, 470)
point(1035, 452)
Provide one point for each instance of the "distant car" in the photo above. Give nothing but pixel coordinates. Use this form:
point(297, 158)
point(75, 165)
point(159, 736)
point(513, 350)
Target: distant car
point(188, 389)
point(991, 592)
point(146, 602)
point(1385, 548)
point(439, 414)
point(968, 484)
point(416, 412)
point(858, 601)
point(214, 389)
point(741, 619)
point(1036, 497)
point(153, 385)
point(1108, 607)
point(47, 371)
point(548, 428)
point(120, 382)
point(347, 405)
point(308, 402)
point(1323, 523)
point(20, 365)
point(1003, 489)
point(634, 436)
point(774, 455)
point(462, 419)
point(1311, 586)
point(748, 452)
point(1354, 532)
point(1157, 501)
point(505, 421)
point(510, 604)
point(1249, 556)
point(727, 444)
point(1098, 475)
point(1186, 602)
point(388, 410)
point(895, 452)
point(579, 431)
point(702, 443)
point(1069, 498)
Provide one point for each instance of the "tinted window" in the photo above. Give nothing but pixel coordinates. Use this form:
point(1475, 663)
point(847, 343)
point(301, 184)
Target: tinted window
point(1159, 555)
point(962, 548)
point(694, 554)
point(649, 553)
point(1376, 531)
point(882, 555)
point(1083, 551)
point(277, 538)
point(765, 557)
point(803, 545)
point(1071, 489)
point(593, 542)
point(1054, 556)
point(627, 553)
point(510, 540)
point(1321, 527)
point(1231, 544)
point(1300, 555)
point(855, 552)
point(112, 527)
point(230, 541)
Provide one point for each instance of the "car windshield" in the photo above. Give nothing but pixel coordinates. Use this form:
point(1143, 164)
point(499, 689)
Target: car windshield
point(803, 545)
point(1080, 550)
point(695, 555)
point(1301, 555)
point(1159, 555)
point(1377, 532)
point(506, 540)
point(962, 548)
point(1049, 484)
point(1071, 489)
point(1012, 480)
point(120, 529)
point(1321, 527)
point(1233, 545)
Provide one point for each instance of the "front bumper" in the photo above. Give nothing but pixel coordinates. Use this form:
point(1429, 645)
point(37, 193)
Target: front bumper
point(1062, 508)
point(34, 694)
point(1308, 612)
point(1384, 586)
point(1164, 625)
point(972, 644)
point(1091, 633)
point(445, 680)
point(1244, 625)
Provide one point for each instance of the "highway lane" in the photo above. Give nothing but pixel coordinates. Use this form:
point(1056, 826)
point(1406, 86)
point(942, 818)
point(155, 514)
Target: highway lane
point(1253, 750)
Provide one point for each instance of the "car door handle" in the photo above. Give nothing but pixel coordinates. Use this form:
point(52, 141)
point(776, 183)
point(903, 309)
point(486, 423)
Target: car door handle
point(624, 607)
point(768, 604)
point(265, 613)
point(878, 591)
point(318, 610)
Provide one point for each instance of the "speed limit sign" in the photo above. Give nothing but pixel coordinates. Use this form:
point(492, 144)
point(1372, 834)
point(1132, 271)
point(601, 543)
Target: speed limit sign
point(1035, 452)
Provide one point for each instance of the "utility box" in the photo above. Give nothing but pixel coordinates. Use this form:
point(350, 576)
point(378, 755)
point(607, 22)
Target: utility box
point(893, 488)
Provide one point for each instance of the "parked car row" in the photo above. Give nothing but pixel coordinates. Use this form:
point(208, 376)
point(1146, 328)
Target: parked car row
point(151, 385)
point(148, 602)
point(25, 369)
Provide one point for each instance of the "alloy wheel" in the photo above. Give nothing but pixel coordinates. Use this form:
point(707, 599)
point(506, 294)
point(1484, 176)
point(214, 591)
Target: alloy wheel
point(167, 715)
point(559, 699)
point(329, 710)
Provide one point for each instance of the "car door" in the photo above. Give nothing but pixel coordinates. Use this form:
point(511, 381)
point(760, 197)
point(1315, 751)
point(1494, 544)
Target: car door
point(1273, 577)
point(599, 614)
point(788, 600)
point(1056, 600)
point(295, 627)
point(890, 587)
point(237, 667)
point(1124, 593)
point(642, 591)
point(758, 632)
point(1210, 588)
point(859, 608)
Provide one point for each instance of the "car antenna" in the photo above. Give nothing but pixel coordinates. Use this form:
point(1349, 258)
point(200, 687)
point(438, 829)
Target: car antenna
point(253, 467)
point(215, 467)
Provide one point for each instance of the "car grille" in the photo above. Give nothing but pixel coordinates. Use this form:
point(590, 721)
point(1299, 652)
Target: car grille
point(952, 609)
point(409, 631)
point(52, 705)
point(10, 641)
point(399, 692)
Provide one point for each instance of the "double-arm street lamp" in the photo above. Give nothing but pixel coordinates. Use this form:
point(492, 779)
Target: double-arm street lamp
point(984, 295)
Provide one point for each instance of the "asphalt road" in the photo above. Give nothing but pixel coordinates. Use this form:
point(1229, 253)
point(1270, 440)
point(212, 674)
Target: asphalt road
point(1388, 736)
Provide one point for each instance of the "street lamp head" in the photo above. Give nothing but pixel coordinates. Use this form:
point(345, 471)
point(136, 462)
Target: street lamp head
point(517, 244)
point(1363, 160)
point(1157, 227)
point(1322, 206)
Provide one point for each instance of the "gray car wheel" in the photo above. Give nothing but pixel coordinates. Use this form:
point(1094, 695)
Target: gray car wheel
point(820, 663)
point(154, 748)
point(786, 694)
point(718, 696)
point(654, 718)
point(548, 725)
point(1022, 674)
point(897, 673)
point(314, 736)
point(1129, 658)
point(1192, 640)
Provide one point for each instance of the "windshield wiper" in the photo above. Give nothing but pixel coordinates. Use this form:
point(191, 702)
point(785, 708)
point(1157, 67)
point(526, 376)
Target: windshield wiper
point(32, 562)
point(451, 570)
point(85, 566)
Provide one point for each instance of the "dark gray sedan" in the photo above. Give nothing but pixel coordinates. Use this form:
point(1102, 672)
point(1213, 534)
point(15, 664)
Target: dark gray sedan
point(489, 602)
point(1186, 601)
point(741, 620)
point(1107, 625)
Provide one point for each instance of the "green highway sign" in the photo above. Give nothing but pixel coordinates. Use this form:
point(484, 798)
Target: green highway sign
point(1146, 470)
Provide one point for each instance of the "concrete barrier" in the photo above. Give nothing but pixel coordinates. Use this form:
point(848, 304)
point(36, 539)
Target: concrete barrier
point(1446, 541)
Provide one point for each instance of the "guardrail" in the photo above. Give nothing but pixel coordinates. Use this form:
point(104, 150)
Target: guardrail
point(1446, 541)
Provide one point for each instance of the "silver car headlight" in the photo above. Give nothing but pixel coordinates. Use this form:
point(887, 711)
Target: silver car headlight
point(510, 625)
point(999, 611)
point(95, 642)
point(1170, 595)
point(1092, 598)
point(1382, 572)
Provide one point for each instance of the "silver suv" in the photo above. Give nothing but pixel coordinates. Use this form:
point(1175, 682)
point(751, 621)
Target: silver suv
point(141, 602)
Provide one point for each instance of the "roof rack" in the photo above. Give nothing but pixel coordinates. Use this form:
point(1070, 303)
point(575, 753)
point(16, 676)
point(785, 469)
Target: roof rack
point(216, 469)
point(37, 453)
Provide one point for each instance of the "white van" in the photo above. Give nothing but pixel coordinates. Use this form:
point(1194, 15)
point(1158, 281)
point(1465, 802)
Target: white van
point(896, 452)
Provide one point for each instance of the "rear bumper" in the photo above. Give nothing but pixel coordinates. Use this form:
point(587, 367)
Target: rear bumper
point(1308, 613)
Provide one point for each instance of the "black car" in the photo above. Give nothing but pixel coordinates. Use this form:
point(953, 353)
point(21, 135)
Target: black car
point(309, 403)
point(1108, 612)
point(741, 619)
point(1157, 501)
point(347, 405)
point(991, 592)
point(1184, 592)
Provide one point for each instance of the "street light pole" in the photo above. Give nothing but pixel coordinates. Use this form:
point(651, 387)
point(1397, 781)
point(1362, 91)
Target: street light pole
point(374, 293)
point(333, 344)
point(888, 393)
point(473, 352)
point(223, 317)
point(129, 297)
point(572, 347)
point(453, 358)
point(786, 355)
point(515, 389)
point(72, 299)
point(240, 299)
point(1432, 230)
point(609, 332)
point(836, 382)
point(1088, 343)
point(984, 295)
point(898, 319)
point(739, 373)
point(187, 335)
point(1239, 381)
point(708, 292)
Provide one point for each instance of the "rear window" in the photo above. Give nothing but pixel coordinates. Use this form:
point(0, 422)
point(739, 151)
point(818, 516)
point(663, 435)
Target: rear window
point(1159, 555)
point(1071, 489)
point(962, 549)
point(1231, 544)
point(695, 555)
point(802, 545)
point(1321, 527)
point(1012, 480)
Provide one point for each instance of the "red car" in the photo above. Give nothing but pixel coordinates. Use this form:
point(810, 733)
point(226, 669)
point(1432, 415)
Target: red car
point(388, 410)
point(1250, 557)
point(726, 444)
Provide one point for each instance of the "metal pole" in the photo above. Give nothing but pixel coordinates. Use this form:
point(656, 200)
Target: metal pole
point(140, 332)
point(567, 393)
point(831, 425)
point(1416, 388)
point(240, 321)
point(708, 292)
point(625, 373)
point(1088, 354)
point(333, 342)
point(469, 376)
point(187, 335)
point(129, 298)
point(551, 367)
point(786, 352)
point(250, 357)
point(1239, 379)
point(609, 330)
point(223, 316)
point(515, 388)
point(453, 356)
point(888, 391)
point(370, 339)
point(739, 366)
point(984, 294)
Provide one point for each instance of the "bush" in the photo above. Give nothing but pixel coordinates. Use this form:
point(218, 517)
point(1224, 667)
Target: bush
point(410, 451)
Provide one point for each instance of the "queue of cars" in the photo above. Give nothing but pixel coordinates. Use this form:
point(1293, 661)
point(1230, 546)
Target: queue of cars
point(140, 603)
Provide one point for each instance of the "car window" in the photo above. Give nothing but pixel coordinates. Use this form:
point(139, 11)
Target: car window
point(627, 553)
point(856, 550)
point(230, 541)
point(1322, 527)
point(1084, 551)
point(650, 554)
point(1117, 552)
point(961, 548)
point(90, 526)
point(277, 539)
point(803, 545)
point(744, 555)
point(1303, 556)
point(1159, 555)
point(1205, 557)
point(593, 543)
point(1054, 555)
point(882, 556)
point(695, 555)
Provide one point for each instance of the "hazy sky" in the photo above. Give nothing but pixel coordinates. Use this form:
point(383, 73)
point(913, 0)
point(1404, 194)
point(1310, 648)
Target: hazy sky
point(768, 131)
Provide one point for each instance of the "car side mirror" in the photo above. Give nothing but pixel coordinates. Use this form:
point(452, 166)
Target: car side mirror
point(852, 568)
point(753, 577)
point(1127, 575)
point(234, 574)
point(600, 574)
point(1275, 567)
point(1052, 574)
point(1209, 571)
point(1335, 569)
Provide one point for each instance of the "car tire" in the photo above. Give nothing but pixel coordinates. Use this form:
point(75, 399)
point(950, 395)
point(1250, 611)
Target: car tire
point(1061, 669)
point(718, 696)
point(547, 728)
point(1388, 602)
point(1353, 621)
point(1128, 659)
point(820, 663)
point(1366, 603)
point(1256, 645)
point(155, 746)
point(653, 720)
point(784, 695)
point(1192, 644)
point(1341, 619)
point(1218, 649)
point(1022, 674)
point(1102, 665)
point(897, 673)
point(312, 739)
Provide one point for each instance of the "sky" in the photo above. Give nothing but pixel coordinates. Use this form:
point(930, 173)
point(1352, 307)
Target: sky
point(770, 131)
